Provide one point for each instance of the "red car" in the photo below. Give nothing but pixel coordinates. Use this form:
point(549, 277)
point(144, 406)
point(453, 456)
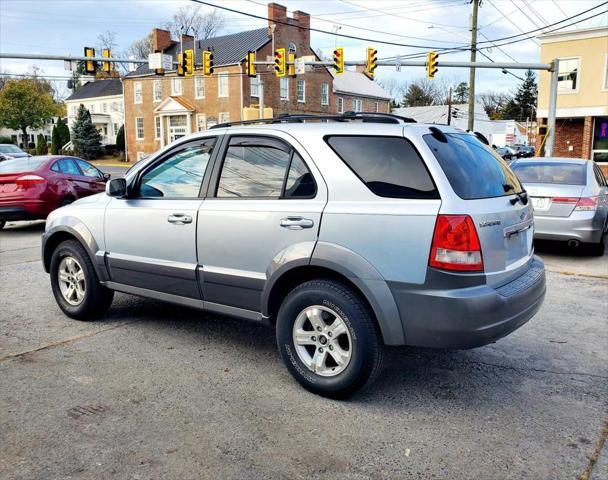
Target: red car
point(31, 188)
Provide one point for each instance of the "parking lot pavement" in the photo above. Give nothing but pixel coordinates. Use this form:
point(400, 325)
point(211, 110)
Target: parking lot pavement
point(158, 391)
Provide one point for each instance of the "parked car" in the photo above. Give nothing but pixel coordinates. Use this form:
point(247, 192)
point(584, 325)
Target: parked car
point(346, 236)
point(507, 153)
point(8, 151)
point(32, 187)
point(523, 151)
point(570, 198)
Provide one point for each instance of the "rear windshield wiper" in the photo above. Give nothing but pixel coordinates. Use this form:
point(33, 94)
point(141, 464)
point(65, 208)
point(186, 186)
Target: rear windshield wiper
point(521, 196)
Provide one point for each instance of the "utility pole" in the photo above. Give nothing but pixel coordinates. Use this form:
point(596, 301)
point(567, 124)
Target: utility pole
point(471, 121)
point(450, 107)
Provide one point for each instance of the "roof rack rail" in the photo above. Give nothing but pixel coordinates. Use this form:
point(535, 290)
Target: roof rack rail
point(372, 117)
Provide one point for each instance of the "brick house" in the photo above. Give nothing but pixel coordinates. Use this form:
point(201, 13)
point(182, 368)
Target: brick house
point(160, 109)
point(582, 95)
point(354, 91)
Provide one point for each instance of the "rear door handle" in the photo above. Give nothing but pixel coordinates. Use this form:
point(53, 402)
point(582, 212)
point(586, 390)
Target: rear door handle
point(296, 223)
point(179, 219)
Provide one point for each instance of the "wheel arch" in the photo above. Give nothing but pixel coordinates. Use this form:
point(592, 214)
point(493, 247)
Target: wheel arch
point(82, 235)
point(340, 264)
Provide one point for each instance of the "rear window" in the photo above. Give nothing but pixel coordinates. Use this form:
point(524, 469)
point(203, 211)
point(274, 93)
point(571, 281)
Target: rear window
point(388, 166)
point(18, 165)
point(473, 170)
point(551, 172)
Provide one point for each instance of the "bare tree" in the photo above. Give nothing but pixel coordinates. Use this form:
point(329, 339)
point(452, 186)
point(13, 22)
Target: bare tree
point(107, 41)
point(395, 88)
point(494, 102)
point(141, 48)
point(188, 21)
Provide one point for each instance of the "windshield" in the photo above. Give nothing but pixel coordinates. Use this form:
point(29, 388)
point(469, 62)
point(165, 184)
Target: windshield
point(556, 173)
point(474, 170)
point(7, 148)
point(18, 165)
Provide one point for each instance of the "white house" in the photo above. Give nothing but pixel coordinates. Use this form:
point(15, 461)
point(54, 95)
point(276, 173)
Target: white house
point(104, 101)
point(17, 137)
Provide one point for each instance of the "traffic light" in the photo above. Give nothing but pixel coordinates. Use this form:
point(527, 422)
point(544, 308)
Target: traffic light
point(207, 63)
point(431, 64)
point(189, 62)
point(181, 64)
point(89, 65)
point(291, 68)
point(339, 61)
point(107, 66)
point(250, 65)
point(371, 61)
point(280, 62)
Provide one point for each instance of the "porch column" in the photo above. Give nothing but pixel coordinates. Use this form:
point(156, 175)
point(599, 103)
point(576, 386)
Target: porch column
point(162, 130)
point(189, 121)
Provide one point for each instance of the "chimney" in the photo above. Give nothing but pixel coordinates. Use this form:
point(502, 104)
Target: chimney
point(303, 21)
point(276, 13)
point(161, 40)
point(187, 41)
point(361, 69)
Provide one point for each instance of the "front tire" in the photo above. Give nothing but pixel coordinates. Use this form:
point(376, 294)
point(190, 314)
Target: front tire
point(328, 338)
point(75, 283)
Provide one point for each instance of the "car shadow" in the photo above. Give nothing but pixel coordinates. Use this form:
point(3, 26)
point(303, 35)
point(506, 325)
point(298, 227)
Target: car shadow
point(561, 248)
point(26, 226)
point(410, 375)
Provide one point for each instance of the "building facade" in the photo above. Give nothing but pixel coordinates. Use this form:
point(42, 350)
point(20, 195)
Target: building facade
point(18, 139)
point(582, 97)
point(161, 109)
point(104, 101)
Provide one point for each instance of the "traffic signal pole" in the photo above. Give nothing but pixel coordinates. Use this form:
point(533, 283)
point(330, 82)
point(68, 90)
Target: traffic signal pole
point(549, 144)
point(471, 119)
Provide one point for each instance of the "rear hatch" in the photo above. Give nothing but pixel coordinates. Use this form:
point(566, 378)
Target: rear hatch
point(554, 187)
point(485, 188)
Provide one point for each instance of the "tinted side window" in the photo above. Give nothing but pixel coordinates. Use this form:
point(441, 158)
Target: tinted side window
point(389, 166)
point(599, 175)
point(253, 168)
point(67, 165)
point(300, 182)
point(55, 167)
point(88, 170)
point(180, 175)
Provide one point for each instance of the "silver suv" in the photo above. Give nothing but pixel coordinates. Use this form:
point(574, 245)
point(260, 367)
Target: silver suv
point(346, 235)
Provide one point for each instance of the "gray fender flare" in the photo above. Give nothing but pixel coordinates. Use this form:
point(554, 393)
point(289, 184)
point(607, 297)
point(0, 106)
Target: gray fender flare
point(350, 265)
point(77, 229)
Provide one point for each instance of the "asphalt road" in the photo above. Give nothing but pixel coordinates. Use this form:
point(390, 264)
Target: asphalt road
point(160, 392)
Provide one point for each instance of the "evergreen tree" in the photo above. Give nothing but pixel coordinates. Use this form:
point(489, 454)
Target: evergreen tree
point(55, 141)
point(120, 139)
point(41, 146)
point(63, 133)
point(461, 93)
point(419, 93)
point(523, 105)
point(85, 137)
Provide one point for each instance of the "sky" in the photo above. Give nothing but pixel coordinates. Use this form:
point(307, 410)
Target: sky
point(66, 26)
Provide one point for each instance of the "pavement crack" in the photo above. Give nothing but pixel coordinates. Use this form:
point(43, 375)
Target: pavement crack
point(596, 453)
point(64, 341)
point(574, 274)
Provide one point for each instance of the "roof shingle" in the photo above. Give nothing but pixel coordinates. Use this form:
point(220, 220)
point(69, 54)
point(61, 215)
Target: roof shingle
point(98, 88)
point(227, 49)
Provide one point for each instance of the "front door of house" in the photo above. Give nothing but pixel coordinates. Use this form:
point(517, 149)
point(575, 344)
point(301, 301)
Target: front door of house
point(178, 127)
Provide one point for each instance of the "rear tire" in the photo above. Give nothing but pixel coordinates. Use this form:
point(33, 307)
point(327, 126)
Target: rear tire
point(598, 249)
point(75, 283)
point(336, 364)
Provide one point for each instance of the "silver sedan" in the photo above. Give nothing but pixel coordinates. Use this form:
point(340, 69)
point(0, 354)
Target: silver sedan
point(570, 199)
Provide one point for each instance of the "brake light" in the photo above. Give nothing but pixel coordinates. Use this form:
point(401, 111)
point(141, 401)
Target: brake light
point(581, 204)
point(29, 181)
point(456, 244)
point(586, 204)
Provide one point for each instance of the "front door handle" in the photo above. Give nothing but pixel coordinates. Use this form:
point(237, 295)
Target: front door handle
point(296, 223)
point(179, 219)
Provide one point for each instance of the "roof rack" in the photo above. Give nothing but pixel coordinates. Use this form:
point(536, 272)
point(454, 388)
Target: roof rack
point(371, 117)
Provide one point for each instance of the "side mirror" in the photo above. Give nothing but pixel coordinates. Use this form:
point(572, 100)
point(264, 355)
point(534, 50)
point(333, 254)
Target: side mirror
point(117, 188)
point(106, 176)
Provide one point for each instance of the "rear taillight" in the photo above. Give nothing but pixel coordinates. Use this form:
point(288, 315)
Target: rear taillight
point(456, 244)
point(29, 181)
point(583, 203)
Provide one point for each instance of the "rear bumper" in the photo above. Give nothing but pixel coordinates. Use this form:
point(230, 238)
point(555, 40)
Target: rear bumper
point(586, 227)
point(472, 316)
point(28, 210)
